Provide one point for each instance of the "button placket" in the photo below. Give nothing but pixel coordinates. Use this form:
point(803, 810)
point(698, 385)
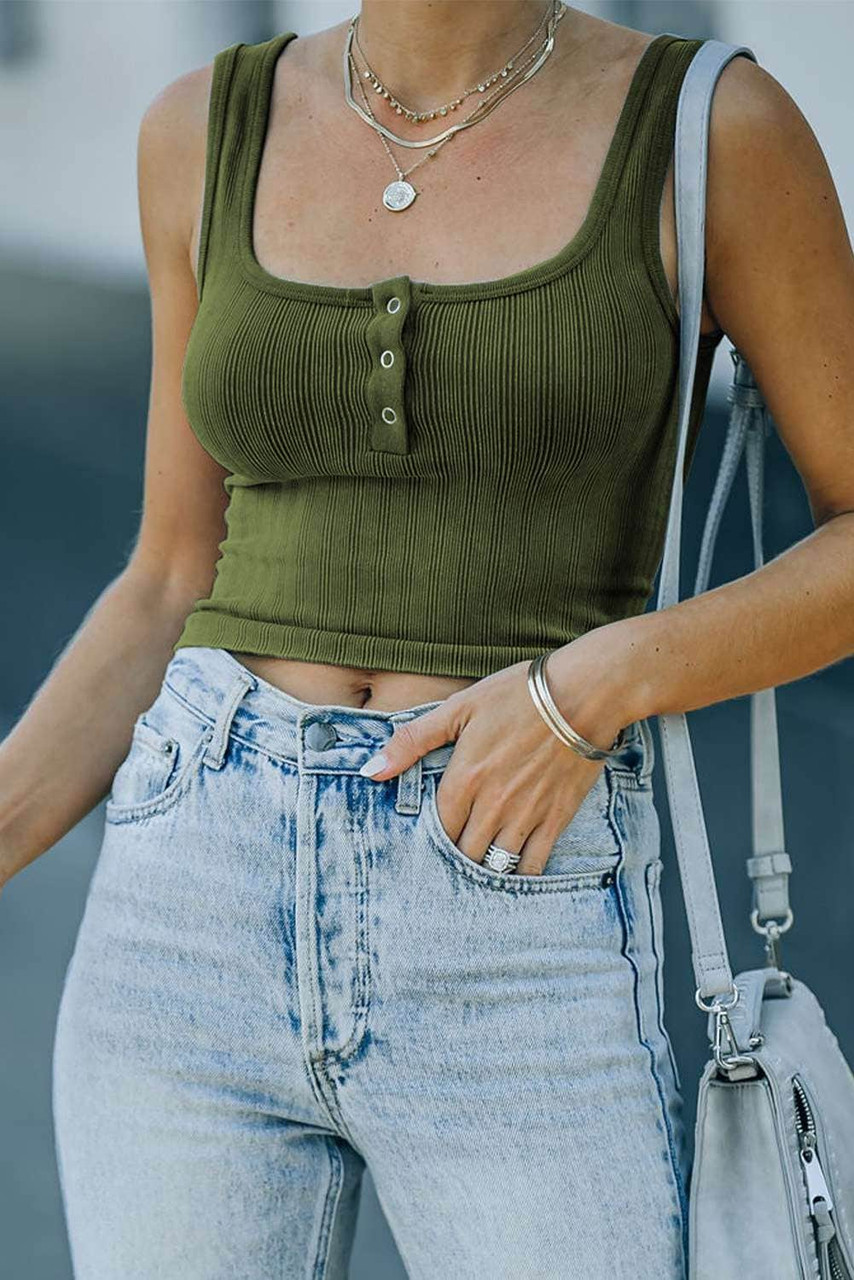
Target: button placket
point(387, 378)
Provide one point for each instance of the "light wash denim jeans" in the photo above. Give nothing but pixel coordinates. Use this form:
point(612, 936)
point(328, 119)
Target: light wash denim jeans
point(286, 971)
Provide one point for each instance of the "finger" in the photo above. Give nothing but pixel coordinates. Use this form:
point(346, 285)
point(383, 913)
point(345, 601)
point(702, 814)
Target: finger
point(535, 852)
point(410, 740)
point(454, 808)
point(472, 822)
point(476, 836)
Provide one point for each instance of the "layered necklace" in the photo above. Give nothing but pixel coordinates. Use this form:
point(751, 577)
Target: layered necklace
point(399, 194)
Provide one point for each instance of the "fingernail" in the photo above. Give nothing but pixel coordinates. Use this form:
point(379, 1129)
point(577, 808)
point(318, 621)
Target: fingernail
point(376, 764)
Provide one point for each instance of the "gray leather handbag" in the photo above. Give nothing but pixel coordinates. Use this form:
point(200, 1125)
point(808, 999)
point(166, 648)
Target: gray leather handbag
point(772, 1184)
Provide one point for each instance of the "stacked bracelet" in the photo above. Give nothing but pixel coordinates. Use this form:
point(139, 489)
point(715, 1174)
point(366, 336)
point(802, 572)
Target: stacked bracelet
point(559, 725)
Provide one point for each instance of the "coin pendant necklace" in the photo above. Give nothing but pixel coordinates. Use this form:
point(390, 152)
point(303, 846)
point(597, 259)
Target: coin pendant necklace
point(399, 194)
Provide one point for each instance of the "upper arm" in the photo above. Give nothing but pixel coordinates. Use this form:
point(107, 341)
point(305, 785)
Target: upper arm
point(780, 274)
point(184, 500)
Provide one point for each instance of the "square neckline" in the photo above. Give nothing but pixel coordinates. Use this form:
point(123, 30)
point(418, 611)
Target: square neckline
point(539, 273)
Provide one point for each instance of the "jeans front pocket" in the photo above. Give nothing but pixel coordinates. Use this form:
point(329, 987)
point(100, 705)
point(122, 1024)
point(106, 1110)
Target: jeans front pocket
point(585, 853)
point(167, 746)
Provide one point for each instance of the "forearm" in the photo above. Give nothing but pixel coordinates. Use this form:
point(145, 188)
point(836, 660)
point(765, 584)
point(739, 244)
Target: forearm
point(783, 621)
point(58, 760)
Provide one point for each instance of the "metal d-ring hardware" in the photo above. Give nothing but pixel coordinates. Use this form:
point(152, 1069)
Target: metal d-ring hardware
point(723, 1030)
point(717, 1003)
point(771, 931)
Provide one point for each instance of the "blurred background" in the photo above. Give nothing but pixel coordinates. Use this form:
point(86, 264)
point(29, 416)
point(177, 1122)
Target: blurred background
point(75, 79)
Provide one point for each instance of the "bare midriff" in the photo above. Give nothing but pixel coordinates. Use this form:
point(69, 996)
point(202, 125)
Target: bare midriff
point(324, 683)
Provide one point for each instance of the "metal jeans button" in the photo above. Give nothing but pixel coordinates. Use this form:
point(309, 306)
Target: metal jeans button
point(319, 735)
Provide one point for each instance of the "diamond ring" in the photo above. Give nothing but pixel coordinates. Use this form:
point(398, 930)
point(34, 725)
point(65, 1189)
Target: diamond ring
point(501, 859)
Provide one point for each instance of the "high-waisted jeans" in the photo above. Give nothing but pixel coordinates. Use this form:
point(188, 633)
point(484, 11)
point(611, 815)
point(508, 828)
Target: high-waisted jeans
point(286, 971)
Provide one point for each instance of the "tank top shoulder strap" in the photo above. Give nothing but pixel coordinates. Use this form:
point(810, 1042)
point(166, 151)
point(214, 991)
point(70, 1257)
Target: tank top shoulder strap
point(652, 144)
point(237, 117)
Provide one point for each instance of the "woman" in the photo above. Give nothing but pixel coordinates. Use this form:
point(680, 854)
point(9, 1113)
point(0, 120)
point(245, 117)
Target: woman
point(440, 414)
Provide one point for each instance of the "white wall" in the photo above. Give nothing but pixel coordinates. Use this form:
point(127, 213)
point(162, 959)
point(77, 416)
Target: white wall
point(69, 121)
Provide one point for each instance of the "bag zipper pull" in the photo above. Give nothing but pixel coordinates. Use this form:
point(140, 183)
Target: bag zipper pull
point(817, 1188)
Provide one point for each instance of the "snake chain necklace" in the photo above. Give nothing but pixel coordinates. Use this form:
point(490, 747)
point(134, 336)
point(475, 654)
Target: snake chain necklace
point(399, 194)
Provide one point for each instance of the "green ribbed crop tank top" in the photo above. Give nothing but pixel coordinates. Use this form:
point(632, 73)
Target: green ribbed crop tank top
point(437, 478)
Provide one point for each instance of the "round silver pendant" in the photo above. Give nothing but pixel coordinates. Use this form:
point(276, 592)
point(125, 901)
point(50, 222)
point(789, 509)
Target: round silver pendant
point(399, 195)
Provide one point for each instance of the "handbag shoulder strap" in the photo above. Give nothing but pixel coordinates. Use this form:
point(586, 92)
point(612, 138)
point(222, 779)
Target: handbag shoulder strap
point(770, 865)
point(712, 970)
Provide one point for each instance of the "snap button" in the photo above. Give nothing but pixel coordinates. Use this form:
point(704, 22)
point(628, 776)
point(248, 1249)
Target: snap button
point(320, 735)
point(389, 414)
point(393, 305)
point(387, 359)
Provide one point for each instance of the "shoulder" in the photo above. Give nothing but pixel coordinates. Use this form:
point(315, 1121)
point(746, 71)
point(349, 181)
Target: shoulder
point(176, 117)
point(174, 125)
point(758, 134)
point(780, 271)
point(768, 179)
point(751, 107)
point(171, 159)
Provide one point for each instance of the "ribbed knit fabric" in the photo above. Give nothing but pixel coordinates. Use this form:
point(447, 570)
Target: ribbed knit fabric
point(459, 479)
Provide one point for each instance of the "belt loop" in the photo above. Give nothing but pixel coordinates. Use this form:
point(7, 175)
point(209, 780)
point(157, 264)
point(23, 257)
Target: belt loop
point(409, 782)
point(649, 750)
point(215, 754)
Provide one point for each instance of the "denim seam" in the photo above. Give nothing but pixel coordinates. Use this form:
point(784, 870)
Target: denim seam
point(189, 706)
point(316, 1077)
point(681, 1191)
point(324, 1092)
point(307, 1064)
point(629, 781)
point(317, 1060)
point(233, 734)
point(313, 1058)
point(586, 880)
point(187, 775)
point(333, 1195)
point(290, 762)
point(232, 697)
point(654, 869)
point(361, 1006)
point(614, 787)
point(326, 1085)
point(313, 931)
point(675, 1173)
